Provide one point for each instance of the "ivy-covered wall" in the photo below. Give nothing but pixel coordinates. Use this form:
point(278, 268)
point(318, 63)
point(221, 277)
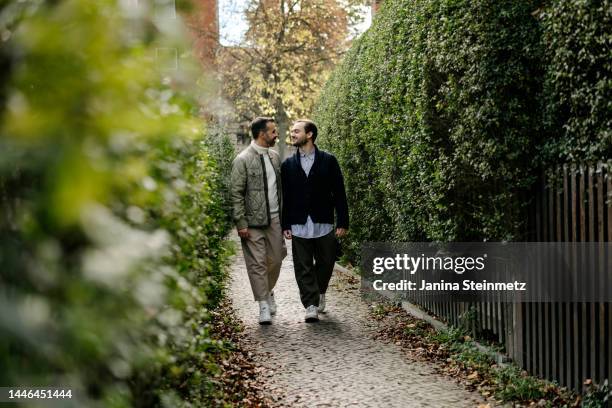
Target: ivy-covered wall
point(439, 120)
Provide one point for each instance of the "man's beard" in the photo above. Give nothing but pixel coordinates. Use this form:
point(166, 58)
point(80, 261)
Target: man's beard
point(300, 142)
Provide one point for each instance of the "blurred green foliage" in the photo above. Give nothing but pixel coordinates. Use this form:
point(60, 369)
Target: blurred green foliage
point(113, 206)
point(444, 113)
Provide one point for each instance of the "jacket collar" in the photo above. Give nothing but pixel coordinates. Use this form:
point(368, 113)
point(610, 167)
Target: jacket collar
point(258, 149)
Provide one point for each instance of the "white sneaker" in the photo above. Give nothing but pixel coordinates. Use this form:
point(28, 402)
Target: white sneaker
point(311, 314)
point(264, 312)
point(272, 303)
point(322, 303)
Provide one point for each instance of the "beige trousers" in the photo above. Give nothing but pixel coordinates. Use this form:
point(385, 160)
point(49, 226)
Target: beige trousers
point(264, 251)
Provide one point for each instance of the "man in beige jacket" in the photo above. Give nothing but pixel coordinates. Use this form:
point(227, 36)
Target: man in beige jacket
point(257, 204)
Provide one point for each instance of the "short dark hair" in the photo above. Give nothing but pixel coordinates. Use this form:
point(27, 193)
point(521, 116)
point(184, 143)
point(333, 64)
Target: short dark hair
point(309, 126)
point(258, 124)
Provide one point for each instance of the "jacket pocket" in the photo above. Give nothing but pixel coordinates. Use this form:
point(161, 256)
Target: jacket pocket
point(254, 180)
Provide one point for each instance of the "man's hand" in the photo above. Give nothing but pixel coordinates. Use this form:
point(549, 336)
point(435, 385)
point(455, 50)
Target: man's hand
point(244, 233)
point(340, 232)
point(287, 234)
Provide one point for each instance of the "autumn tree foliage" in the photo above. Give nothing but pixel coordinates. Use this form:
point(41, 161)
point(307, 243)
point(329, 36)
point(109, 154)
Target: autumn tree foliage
point(287, 53)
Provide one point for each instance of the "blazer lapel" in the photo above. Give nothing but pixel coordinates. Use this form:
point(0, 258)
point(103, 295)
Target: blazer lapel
point(298, 164)
point(317, 162)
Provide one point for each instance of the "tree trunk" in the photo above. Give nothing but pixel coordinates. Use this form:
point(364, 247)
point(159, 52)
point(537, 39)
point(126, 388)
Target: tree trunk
point(283, 128)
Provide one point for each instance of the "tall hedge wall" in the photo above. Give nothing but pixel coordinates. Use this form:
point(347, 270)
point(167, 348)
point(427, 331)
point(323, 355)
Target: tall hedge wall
point(444, 112)
point(431, 115)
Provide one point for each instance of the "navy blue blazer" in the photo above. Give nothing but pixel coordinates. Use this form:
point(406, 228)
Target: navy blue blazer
point(317, 195)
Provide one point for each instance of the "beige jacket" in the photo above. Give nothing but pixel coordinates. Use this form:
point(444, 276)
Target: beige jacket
point(249, 189)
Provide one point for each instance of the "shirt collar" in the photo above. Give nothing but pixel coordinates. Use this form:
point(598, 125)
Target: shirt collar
point(307, 155)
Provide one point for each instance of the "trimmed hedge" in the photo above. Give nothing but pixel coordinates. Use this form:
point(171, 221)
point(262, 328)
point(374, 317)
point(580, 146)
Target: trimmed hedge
point(444, 113)
point(432, 117)
point(112, 211)
point(578, 86)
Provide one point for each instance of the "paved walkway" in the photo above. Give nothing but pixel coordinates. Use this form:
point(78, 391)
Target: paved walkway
point(335, 362)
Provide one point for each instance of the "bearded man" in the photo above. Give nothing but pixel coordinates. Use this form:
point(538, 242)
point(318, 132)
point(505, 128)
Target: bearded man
point(313, 189)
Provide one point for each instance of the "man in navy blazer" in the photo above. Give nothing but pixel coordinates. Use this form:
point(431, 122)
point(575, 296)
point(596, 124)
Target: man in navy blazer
point(313, 189)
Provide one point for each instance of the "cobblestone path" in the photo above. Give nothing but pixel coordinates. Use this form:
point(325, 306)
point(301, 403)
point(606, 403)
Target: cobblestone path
point(335, 362)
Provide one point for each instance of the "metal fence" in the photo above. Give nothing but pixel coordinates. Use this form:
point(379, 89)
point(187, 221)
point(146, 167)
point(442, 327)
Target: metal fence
point(565, 342)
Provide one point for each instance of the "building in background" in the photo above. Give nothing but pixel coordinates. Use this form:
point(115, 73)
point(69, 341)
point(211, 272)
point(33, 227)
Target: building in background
point(204, 25)
point(205, 28)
